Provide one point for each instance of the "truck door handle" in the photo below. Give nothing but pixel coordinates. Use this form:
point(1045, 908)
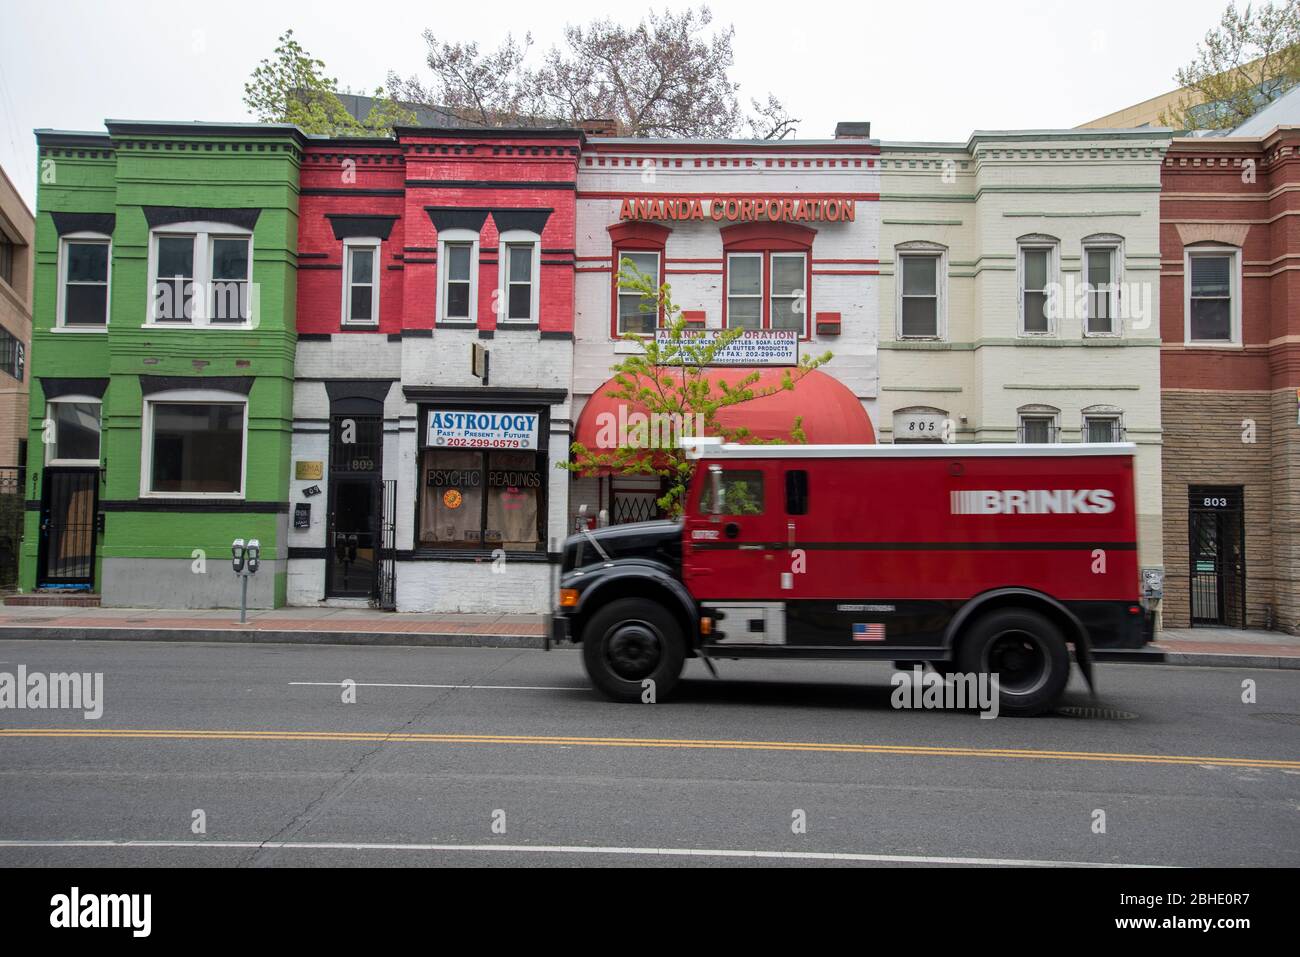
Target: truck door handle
point(731, 530)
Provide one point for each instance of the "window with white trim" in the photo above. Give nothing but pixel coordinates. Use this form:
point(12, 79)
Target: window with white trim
point(632, 318)
point(361, 282)
point(1037, 277)
point(72, 427)
point(1213, 300)
point(922, 290)
point(200, 275)
point(1104, 427)
point(458, 283)
point(1101, 269)
point(1039, 425)
point(195, 445)
point(519, 259)
point(84, 280)
point(745, 290)
point(787, 290)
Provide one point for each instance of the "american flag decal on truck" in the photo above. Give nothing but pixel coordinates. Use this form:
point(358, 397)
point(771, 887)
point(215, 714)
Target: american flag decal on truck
point(870, 631)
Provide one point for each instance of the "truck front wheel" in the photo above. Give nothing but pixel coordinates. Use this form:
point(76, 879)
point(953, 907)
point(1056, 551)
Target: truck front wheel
point(633, 650)
point(1026, 651)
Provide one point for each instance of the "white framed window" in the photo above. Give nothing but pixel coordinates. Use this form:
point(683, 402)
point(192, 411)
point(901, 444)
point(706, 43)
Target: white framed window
point(195, 445)
point(1102, 425)
point(1103, 267)
point(200, 274)
point(1038, 425)
point(745, 290)
point(788, 291)
point(631, 317)
point(1036, 272)
point(520, 264)
point(72, 424)
point(361, 282)
point(922, 291)
point(84, 282)
point(1212, 295)
point(458, 279)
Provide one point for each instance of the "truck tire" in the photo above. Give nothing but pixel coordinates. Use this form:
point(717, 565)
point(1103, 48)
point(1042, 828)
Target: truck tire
point(628, 642)
point(1026, 651)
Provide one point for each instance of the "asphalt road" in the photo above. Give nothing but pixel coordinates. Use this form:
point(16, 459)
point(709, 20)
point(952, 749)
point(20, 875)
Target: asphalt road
point(443, 743)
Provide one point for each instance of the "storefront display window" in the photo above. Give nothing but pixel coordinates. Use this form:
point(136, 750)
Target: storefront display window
point(481, 498)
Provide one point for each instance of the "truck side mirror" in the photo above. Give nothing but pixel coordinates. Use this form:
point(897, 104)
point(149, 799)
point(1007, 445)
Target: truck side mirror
point(715, 491)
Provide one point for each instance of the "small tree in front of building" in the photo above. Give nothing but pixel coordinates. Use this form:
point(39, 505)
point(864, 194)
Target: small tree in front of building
point(667, 384)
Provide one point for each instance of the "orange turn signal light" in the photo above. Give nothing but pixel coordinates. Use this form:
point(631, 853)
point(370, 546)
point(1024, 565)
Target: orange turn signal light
point(706, 626)
point(568, 597)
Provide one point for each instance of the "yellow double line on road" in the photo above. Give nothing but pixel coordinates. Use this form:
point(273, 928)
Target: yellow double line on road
point(401, 737)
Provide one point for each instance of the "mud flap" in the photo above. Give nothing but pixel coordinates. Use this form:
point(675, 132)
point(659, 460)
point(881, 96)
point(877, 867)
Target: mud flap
point(1083, 656)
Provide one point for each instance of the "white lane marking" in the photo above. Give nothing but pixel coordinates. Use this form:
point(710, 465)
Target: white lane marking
point(574, 849)
point(377, 684)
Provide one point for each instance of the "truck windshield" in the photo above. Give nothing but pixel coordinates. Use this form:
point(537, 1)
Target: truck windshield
point(742, 493)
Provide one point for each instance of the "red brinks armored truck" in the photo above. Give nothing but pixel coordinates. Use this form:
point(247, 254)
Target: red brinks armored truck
point(979, 559)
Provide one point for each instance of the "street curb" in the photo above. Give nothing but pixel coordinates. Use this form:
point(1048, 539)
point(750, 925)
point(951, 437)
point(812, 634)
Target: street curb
point(401, 639)
point(268, 636)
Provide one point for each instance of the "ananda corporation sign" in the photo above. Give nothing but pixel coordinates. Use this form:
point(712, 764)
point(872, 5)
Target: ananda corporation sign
point(755, 209)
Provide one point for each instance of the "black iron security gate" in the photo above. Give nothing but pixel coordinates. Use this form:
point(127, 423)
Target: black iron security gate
point(385, 594)
point(1216, 534)
point(66, 550)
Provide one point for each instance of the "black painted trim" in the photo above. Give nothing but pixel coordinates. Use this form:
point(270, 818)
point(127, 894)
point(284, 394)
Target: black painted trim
point(320, 265)
point(920, 546)
point(193, 505)
point(546, 334)
point(56, 388)
point(532, 220)
point(65, 223)
point(313, 337)
point(485, 395)
point(153, 384)
point(457, 217)
point(417, 333)
point(490, 184)
point(348, 191)
point(157, 216)
point(370, 390)
point(361, 225)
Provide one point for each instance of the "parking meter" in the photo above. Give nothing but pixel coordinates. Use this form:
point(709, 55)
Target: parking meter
point(254, 555)
point(237, 555)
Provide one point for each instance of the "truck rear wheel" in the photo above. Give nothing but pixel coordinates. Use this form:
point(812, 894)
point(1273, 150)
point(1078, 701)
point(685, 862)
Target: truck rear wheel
point(1026, 651)
point(629, 642)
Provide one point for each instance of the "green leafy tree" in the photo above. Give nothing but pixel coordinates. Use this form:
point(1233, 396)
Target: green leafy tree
point(1247, 62)
point(291, 87)
point(668, 381)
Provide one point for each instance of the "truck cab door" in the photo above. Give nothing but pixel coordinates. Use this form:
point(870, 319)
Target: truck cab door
point(737, 551)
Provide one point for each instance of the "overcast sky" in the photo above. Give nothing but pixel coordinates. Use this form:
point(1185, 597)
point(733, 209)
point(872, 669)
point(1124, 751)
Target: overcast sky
point(917, 69)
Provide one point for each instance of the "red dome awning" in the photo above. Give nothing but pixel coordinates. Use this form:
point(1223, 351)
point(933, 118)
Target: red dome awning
point(832, 414)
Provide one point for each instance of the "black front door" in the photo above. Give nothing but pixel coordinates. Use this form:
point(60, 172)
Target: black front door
point(66, 550)
point(352, 533)
point(1218, 556)
point(350, 569)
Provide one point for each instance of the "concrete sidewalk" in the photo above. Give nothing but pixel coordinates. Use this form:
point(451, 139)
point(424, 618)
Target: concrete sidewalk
point(363, 626)
point(1217, 647)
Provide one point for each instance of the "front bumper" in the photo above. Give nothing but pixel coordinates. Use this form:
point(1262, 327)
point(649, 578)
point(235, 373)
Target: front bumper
point(559, 629)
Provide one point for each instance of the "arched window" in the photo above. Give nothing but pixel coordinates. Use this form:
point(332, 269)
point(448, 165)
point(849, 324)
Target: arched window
point(1037, 277)
point(1039, 424)
point(767, 276)
point(200, 274)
